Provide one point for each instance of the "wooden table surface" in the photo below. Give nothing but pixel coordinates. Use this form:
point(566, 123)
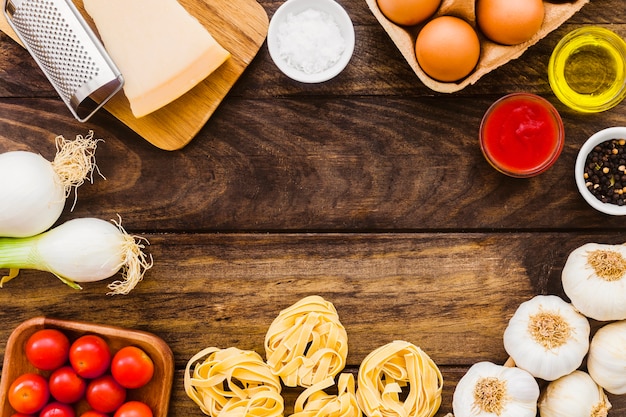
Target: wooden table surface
point(369, 190)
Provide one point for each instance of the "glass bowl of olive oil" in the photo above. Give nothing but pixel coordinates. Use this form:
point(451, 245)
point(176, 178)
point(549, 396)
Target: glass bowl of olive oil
point(587, 69)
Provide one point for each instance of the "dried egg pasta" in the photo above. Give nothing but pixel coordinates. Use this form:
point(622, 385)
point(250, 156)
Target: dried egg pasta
point(385, 371)
point(233, 383)
point(314, 402)
point(306, 343)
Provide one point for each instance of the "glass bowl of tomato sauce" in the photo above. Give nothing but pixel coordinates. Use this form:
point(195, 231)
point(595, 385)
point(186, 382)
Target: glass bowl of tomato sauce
point(521, 135)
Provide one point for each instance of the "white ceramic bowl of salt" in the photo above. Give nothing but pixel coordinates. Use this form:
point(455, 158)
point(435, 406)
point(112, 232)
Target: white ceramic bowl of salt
point(311, 41)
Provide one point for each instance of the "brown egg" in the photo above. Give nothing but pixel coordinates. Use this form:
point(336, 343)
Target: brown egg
point(509, 22)
point(408, 12)
point(447, 48)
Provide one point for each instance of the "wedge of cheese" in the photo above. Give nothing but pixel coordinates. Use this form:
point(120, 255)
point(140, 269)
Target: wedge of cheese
point(161, 50)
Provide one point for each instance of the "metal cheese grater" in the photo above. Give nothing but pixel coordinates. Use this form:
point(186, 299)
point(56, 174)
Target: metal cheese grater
point(67, 51)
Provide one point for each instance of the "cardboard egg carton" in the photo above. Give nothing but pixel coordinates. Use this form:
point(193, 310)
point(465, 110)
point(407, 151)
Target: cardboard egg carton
point(492, 55)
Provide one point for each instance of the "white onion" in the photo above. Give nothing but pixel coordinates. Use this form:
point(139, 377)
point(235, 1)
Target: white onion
point(33, 196)
point(33, 190)
point(80, 250)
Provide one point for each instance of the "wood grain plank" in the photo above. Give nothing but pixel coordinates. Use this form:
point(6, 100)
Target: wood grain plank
point(324, 167)
point(449, 293)
point(597, 11)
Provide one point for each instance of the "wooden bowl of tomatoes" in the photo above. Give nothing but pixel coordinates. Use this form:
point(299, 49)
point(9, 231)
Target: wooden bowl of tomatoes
point(66, 368)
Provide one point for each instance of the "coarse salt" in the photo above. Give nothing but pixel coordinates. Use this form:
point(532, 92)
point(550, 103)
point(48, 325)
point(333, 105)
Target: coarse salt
point(310, 41)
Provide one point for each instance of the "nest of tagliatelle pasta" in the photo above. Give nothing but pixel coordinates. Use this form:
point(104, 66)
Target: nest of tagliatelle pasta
point(306, 346)
point(492, 54)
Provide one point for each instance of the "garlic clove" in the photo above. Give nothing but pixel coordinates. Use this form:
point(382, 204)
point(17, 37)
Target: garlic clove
point(574, 395)
point(606, 362)
point(594, 279)
point(547, 337)
point(488, 389)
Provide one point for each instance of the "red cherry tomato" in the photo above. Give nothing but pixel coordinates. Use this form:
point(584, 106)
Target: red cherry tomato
point(93, 413)
point(47, 349)
point(104, 394)
point(132, 367)
point(66, 385)
point(57, 409)
point(90, 356)
point(133, 409)
point(28, 393)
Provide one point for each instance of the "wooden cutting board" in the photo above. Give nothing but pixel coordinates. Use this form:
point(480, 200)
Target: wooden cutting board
point(240, 26)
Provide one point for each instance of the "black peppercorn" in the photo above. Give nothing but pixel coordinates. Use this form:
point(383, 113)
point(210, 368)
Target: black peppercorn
point(605, 174)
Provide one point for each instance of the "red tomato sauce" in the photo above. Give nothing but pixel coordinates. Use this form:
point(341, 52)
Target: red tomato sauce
point(522, 135)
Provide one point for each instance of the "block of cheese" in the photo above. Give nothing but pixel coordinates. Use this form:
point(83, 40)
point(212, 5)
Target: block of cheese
point(161, 50)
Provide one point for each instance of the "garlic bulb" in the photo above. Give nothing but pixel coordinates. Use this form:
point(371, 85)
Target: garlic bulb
point(594, 279)
point(488, 389)
point(606, 362)
point(574, 395)
point(547, 337)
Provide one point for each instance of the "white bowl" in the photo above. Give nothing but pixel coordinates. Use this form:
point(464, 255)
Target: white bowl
point(294, 7)
point(597, 138)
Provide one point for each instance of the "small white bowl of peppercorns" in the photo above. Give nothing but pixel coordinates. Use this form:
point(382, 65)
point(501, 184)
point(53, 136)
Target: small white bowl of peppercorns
point(601, 171)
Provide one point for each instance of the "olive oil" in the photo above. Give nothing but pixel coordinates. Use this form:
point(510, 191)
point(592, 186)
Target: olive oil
point(587, 70)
